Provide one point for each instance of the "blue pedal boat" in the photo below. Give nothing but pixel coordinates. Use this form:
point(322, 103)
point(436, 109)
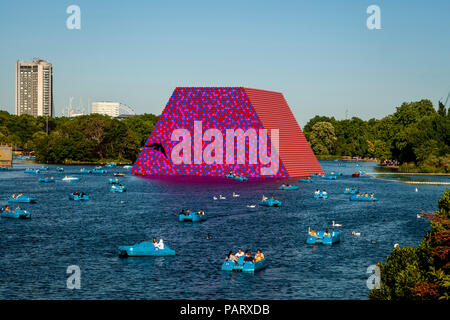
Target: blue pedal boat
point(35, 171)
point(334, 173)
point(99, 171)
point(15, 214)
point(305, 180)
point(22, 199)
point(244, 267)
point(114, 181)
point(351, 191)
point(356, 198)
point(321, 195)
point(329, 177)
point(288, 187)
point(192, 217)
point(46, 180)
point(85, 171)
point(116, 188)
point(316, 175)
point(237, 178)
point(270, 203)
point(144, 249)
point(71, 179)
point(60, 169)
point(335, 238)
point(78, 197)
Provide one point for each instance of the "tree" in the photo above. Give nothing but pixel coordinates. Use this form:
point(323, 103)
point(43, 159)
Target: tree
point(322, 138)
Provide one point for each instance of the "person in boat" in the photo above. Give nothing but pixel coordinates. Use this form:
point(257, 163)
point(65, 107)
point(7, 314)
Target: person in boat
point(182, 212)
point(231, 257)
point(371, 195)
point(264, 198)
point(324, 192)
point(19, 195)
point(347, 189)
point(51, 178)
point(313, 233)
point(240, 253)
point(326, 233)
point(7, 209)
point(201, 212)
point(188, 212)
point(248, 256)
point(154, 242)
point(317, 191)
point(259, 255)
point(367, 195)
point(160, 244)
point(13, 196)
point(18, 207)
point(283, 185)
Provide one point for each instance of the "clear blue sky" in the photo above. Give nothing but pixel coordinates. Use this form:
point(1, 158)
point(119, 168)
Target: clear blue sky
point(319, 54)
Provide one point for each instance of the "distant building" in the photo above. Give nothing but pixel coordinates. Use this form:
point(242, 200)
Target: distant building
point(106, 107)
point(34, 88)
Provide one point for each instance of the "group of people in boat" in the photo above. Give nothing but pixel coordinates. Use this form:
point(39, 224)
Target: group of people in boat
point(247, 256)
point(313, 233)
point(323, 193)
point(284, 185)
point(187, 212)
point(350, 189)
point(80, 194)
point(264, 198)
point(159, 245)
point(364, 195)
point(16, 197)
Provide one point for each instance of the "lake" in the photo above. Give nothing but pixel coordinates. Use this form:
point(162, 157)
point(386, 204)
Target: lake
point(35, 253)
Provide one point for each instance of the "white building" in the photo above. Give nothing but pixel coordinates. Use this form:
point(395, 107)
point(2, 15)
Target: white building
point(34, 88)
point(106, 107)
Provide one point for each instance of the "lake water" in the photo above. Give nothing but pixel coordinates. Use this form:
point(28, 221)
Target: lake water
point(34, 254)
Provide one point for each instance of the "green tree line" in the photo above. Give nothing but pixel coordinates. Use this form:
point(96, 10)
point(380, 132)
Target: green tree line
point(422, 272)
point(416, 134)
point(90, 138)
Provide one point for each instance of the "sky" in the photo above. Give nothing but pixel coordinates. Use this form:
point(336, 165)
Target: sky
point(319, 54)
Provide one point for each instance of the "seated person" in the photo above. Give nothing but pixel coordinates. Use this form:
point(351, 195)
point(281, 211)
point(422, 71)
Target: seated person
point(367, 195)
point(13, 196)
point(155, 243)
point(371, 195)
point(317, 191)
point(347, 189)
point(201, 212)
point(324, 192)
point(283, 185)
point(19, 195)
point(326, 233)
point(231, 257)
point(264, 198)
point(182, 212)
point(188, 212)
point(259, 255)
point(240, 253)
point(7, 209)
point(248, 256)
point(313, 233)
